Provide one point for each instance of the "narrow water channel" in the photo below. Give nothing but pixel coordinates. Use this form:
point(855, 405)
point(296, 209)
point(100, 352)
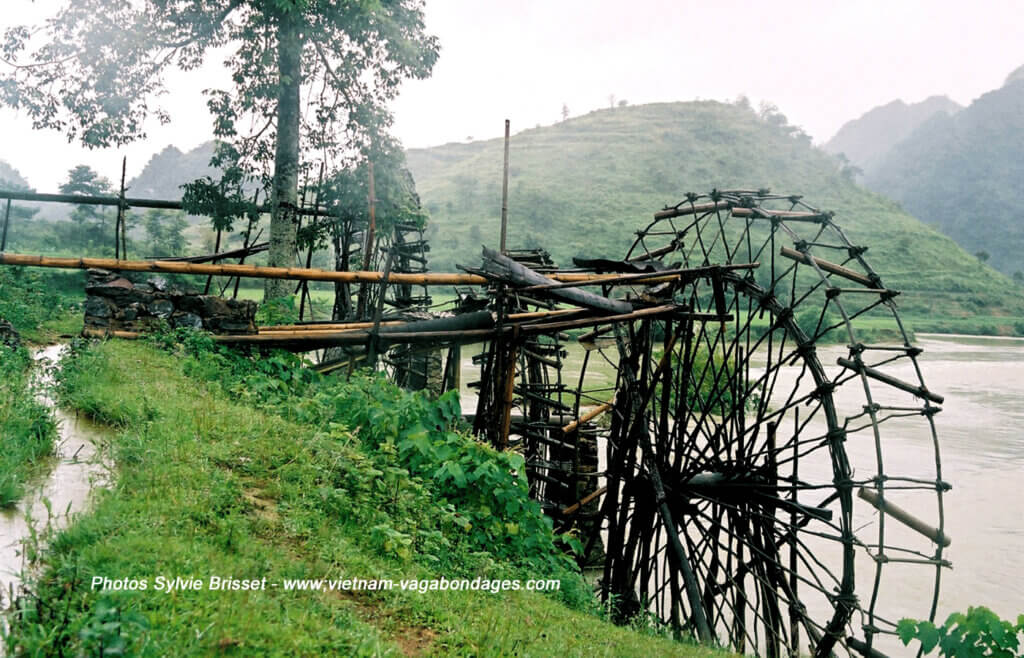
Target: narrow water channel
point(58, 494)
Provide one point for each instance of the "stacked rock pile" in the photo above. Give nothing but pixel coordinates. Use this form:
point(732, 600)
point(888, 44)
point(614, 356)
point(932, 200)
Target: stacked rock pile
point(114, 303)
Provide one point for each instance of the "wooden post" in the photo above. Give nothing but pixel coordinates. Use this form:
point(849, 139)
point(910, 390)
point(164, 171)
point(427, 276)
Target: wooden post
point(371, 349)
point(245, 243)
point(504, 195)
point(209, 279)
point(368, 241)
point(309, 253)
point(119, 240)
point(7, 220)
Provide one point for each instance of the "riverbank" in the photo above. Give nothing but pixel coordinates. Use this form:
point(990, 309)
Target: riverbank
point(27, 429)
point(210, 486)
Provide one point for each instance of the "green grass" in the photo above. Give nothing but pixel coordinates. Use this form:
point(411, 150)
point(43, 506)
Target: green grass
point(39, 306)
point(210, 486)
point(42, 305)
point(27, 429)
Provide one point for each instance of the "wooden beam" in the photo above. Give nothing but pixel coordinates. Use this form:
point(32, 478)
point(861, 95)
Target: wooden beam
point(506, 269)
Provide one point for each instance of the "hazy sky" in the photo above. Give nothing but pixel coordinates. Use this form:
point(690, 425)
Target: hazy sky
point(822, 63)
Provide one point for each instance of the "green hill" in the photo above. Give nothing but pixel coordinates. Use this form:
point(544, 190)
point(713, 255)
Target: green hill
point(962, 175)
point(584, 185)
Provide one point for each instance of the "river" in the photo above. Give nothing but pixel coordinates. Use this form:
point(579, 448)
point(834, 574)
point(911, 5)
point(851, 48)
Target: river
point(981, 431)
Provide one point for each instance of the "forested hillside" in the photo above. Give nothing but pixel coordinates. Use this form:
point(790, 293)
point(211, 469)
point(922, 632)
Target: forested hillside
point(584, 185)
point(962, 173)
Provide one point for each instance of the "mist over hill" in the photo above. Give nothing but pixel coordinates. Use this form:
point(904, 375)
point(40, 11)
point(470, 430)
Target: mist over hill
point(867, 140)
point(962, 173)
point(581, 187)
point(168, 170)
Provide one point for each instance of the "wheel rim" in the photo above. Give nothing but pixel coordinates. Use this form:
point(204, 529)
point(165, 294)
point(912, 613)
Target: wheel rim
point(749, 429)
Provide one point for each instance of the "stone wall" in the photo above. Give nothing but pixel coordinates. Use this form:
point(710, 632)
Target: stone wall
point(115, 303)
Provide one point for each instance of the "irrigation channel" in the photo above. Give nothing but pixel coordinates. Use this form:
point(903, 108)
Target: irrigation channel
point(61, 492)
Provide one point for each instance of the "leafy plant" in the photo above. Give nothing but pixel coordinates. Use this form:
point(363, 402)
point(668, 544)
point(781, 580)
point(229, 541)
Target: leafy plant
point(417, 447)
point(978, 633)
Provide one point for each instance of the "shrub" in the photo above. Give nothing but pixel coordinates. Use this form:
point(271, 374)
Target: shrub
point(978, 633)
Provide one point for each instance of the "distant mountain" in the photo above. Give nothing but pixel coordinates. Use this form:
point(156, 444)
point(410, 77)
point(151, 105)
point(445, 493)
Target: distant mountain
point(963, 174)
point(584, 185)
point(1017, 74)
point(168, 170)
point(866, 141)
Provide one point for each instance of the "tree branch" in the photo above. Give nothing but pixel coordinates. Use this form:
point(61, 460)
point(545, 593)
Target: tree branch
point(217, 20)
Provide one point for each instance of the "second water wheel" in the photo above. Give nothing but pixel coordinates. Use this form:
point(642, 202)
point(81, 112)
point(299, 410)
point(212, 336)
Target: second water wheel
point(747, 495)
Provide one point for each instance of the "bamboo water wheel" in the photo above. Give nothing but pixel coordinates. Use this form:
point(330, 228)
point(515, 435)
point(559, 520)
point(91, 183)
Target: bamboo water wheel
point(748, 494)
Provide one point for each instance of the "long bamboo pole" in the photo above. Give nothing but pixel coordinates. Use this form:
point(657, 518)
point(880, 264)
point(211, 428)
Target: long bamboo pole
point(252, 271)
point(262, 272)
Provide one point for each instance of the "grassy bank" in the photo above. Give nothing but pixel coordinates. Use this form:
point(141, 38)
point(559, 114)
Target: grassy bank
point(324, 480)
point(42, 304)
point(37, 307)
point(27, 429)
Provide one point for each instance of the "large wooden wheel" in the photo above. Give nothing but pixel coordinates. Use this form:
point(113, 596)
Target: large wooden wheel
point(749, 499)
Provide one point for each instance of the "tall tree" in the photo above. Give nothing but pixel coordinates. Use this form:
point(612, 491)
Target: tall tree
point(310, 76)
point(89, 221)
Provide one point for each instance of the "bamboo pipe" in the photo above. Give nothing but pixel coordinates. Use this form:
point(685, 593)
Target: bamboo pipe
point(571, 509)
point(587, 417)
point(645, 278)
point(918, 391)
point(903, 516)
point(784, 214)
point(355, 337)
point(262, 272)
point(684, 209)
point(162, 204)
point(828, 266)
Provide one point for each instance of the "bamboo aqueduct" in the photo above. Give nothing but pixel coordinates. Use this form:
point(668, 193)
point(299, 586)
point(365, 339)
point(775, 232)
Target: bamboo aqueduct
point(729, 477)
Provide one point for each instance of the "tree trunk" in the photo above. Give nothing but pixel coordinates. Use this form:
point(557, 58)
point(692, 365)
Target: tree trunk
point(284, 197)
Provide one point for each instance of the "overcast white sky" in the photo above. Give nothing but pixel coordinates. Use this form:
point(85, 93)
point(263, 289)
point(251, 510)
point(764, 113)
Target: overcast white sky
point(822, 63)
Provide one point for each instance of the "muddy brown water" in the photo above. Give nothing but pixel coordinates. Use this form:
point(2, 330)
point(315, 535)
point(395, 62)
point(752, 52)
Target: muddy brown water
point(57, 495)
